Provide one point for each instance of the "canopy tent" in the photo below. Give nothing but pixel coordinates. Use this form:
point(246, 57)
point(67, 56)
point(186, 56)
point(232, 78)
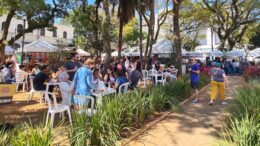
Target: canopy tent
point(115, 53)
point(82, 52)
point(162, 47)
point(236, 53)
point(9, 50)
point(255, 52)
point(196, 54)
point(39, 46)
point(205, 48)
point(216, 53)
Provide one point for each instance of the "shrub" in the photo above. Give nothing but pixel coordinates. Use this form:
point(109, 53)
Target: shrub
point(27, 135)
point(119, 115)
point(243, 126)
point(252, 72)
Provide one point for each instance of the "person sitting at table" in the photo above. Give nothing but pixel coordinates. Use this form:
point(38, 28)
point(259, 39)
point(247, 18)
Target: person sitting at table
point(63, 74)
point(110, 77)
point(121, 79)
point(66, 89)
point(172, 72)
point(35, 70)
point(7, 73)
point(83, 82)
point(41, 78)
point(135, 75)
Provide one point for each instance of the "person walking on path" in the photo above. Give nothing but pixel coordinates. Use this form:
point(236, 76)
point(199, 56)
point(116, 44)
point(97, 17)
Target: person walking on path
point(194, 79)
point(218, 80)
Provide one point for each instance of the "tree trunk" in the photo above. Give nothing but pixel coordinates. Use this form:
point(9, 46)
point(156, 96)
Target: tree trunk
point(120, 35)
point(231, 43)
point(176, 36)
point(96, 32)
point(106, 34)
point(141, 38)
point(146, 49)
point(152, 23)
point(5, 33)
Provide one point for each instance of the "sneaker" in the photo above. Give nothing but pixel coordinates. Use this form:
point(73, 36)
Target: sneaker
point(194, 101)
point(211, 103)
point(223, 103)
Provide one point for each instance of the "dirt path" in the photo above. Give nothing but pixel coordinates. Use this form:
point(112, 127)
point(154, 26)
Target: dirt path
point(197, 125)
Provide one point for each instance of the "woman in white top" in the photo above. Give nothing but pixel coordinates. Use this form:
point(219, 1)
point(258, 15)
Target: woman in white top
point(66, 90)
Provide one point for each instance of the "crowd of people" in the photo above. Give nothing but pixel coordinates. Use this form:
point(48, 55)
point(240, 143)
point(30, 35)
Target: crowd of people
point(83, 77)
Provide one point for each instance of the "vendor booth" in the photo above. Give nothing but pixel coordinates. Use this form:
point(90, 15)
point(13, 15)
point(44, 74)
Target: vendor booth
point(38, 50)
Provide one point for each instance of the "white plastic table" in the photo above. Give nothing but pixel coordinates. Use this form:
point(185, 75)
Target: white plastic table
point(100, 94)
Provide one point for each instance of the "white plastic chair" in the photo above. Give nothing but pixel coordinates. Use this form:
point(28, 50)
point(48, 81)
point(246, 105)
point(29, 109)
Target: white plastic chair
point(83, 106)
point(123, 88)
point(2, 78)
point(32, 91)
point(145, 77)
point(162, 80)
point(55, 108)
point(152, 71)
point(21, 78)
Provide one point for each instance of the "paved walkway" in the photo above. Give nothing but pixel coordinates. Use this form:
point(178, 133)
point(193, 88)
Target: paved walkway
point(197, 125)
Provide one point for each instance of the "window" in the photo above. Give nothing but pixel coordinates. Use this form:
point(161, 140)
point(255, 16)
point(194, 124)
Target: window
point(3, 25)
point(19, 28)
point(54, 33)
point(42, 32)
point(64, 34)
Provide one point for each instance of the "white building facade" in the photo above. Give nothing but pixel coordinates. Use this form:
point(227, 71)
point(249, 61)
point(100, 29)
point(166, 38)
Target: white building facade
point(62, 36)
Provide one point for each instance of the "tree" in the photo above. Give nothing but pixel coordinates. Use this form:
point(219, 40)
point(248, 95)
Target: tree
point(255, 38)
point(106, 33)
point(38, 14)
point(231, 18)
point(126, 12)
point(176, 35)
point(87, 26)
point(159, 10)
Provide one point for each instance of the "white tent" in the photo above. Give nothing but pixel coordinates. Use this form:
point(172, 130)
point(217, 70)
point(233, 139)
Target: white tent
point(39, 46)
point(82, 52)
point(205, 48)
point(9, 50)
point(115, 53)
point(162, 47)
point(216, 53)
point(236, 53)
point(196, 54)
point(255, 52)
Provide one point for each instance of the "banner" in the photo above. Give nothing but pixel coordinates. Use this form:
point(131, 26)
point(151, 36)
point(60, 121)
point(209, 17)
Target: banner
point(19, 58)
point(6, 92)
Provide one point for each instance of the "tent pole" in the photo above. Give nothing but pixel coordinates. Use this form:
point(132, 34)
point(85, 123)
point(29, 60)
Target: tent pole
point(23, 41)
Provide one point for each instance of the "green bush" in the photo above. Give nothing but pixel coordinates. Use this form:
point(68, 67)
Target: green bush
point(243, 126)
point(119, 115)
point(27, 135)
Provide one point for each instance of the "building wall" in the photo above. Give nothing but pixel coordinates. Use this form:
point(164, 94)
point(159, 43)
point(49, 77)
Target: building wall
point(30, 37)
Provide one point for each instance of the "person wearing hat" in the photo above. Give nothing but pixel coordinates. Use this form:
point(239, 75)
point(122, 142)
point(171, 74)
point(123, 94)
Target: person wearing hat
point(218, 80)
point(83, 81)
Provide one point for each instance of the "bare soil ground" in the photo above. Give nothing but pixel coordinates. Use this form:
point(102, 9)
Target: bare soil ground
point(197, 125)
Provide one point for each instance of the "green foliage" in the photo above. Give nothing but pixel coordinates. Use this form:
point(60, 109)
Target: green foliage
point(119, 115)
point(255, 38)
point(243, 127)
point(87, 27)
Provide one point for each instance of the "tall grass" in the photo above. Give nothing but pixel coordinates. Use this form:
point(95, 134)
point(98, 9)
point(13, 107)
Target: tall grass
point(243, 126)
point(120, 115)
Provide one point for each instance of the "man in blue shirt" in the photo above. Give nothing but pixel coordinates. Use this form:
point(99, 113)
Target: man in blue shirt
point(194, 79)
point(83, 81)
